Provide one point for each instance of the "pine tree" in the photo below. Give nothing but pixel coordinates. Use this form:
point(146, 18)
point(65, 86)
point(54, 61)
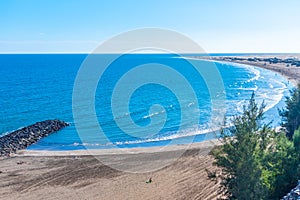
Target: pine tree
point(239, 156)
point(291, 114)
point(255, 161)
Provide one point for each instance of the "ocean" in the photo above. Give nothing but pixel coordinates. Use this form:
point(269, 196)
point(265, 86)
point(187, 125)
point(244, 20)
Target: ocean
point(36, 87)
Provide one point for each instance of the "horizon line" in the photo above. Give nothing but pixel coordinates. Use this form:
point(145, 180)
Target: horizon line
point(3, 53)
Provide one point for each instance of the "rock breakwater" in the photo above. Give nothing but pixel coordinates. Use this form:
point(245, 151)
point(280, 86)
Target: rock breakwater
point(24, 137)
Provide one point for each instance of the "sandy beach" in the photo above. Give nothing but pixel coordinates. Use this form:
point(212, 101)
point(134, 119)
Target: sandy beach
point(80, 175)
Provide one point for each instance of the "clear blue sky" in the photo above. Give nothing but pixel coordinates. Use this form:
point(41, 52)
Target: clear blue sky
point(217, 25)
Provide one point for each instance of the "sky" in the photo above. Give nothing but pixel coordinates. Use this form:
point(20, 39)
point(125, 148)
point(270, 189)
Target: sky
point(218, 26)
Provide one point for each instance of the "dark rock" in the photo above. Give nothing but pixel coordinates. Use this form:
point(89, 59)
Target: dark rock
point(293, 194)
point(22, 138)
point(252, 59)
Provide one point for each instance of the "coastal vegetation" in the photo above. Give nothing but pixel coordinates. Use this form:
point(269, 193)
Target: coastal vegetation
point(290, 115)
point(255, 161)
point(287, 61)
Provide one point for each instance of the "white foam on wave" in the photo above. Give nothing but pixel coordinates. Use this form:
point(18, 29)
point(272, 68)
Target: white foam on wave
point(251, 68)
point(153, 114)
point(171, 136)
point(182, 134)
point(190, 104)
point(251, 89)
point(8, 132)
point(76, 144)
point(255, 71)
point(267, 95)
point(236, 106)
point(271, 86)
point(272, 95)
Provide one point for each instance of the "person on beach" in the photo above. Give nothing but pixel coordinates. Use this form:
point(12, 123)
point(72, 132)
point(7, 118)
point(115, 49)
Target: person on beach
point(149, 181)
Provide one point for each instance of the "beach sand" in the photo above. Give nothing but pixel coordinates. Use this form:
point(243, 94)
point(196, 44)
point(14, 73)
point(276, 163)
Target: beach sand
point(78, 175)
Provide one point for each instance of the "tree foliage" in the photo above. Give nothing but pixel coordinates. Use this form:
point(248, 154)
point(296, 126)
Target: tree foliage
point(240, 153)
point(291, 114)
point(255, 161)
point(280, 166)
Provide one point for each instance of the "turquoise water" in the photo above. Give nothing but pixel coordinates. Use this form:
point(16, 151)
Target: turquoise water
point(39, 87)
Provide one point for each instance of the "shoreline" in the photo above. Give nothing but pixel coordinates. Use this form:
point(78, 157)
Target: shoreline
point(121, 151)
point(290, 72)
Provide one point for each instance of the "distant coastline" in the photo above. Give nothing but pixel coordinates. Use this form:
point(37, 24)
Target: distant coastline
point(288, 65)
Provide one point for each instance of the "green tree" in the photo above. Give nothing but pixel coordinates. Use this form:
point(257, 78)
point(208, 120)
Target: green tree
point(283, 163)
point(296, 141)
point(279, 166)
point(255, 161)
point(291, 114)
point(239, 156)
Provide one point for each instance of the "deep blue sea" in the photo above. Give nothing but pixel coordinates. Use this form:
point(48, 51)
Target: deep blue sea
point(36, 87)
